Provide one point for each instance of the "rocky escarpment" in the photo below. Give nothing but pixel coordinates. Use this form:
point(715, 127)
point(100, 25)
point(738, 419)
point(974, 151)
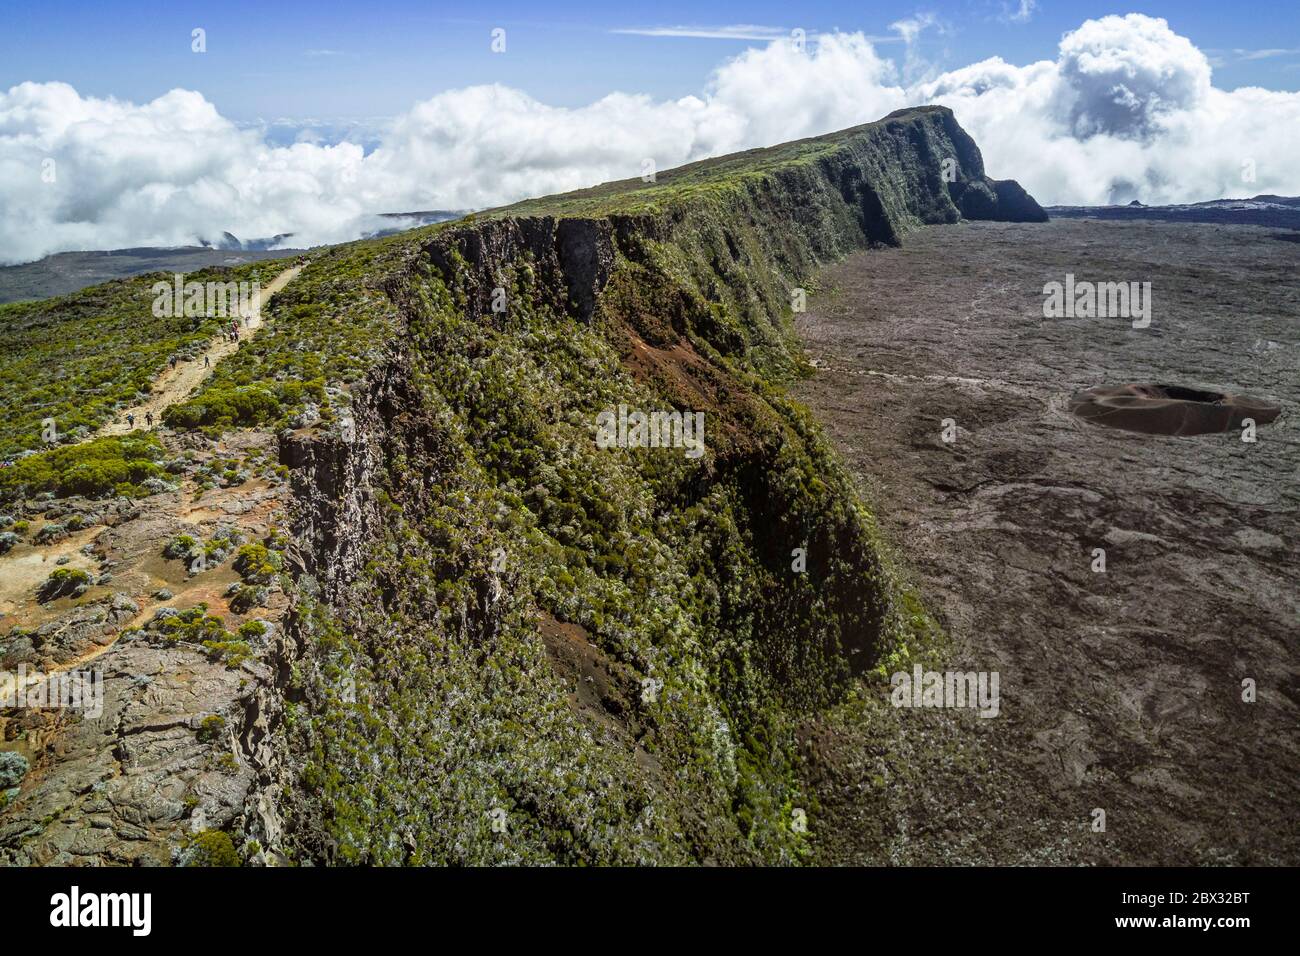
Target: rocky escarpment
point(921, 166)
point(512, 645)
point(504, 640)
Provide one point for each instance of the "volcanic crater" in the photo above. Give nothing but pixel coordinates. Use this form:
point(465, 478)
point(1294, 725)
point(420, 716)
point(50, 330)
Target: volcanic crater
point(1170, 409)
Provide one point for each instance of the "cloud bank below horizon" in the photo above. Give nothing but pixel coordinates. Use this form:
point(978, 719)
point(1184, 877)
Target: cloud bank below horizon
point(1126, 110)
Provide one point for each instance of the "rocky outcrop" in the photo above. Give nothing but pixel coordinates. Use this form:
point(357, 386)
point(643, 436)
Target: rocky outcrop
point(138, 739)
point(571, 260)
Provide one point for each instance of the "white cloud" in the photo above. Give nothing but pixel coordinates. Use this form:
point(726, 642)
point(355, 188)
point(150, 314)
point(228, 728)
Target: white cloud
point(911, 28)
point(1127, 109)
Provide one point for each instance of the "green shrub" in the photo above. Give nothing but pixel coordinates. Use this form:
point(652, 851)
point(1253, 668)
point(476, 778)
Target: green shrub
point(257, 564)
point(210, 848)
point(226, 408)
point(247, 597)
point(63, 581)
point(252, 630)
point(179, 547)
point(231, 653)
point(97, 468)
point(194, 625)
point(211, 728)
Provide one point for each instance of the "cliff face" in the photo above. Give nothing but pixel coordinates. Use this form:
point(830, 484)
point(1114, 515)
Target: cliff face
point(715, 249)
point(512, 644)
point(509, 622)
point(920, 166)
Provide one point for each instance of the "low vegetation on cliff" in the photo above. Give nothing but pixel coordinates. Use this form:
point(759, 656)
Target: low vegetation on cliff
point(509, 643)
point(719, 599)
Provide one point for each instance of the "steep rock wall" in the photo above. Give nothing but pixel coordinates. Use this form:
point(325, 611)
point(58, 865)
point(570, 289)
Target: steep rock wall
point(463, 527)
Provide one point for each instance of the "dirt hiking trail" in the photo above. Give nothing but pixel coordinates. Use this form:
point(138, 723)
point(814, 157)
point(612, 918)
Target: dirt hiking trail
point(27, 567)
point(176, 384)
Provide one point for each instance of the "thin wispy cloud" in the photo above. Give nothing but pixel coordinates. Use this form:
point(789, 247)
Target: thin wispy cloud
point(1267, 54)
point(1221, 57)
point(909, 30)
point(323, 53)
point(1022, 12)
point(739, 31)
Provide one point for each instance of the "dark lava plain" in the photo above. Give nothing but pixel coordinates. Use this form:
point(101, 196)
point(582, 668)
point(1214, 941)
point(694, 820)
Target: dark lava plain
point(1120, 691)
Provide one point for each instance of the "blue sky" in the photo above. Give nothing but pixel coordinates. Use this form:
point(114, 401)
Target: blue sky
point(310, 118)
point(331, 60)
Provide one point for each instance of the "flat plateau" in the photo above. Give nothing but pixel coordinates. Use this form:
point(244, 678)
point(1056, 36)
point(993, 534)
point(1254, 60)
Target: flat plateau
point(1121, 690)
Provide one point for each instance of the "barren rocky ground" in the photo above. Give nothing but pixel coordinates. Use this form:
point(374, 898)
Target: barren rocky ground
point(1121, 690)
point(162, 760)
point(158, 762)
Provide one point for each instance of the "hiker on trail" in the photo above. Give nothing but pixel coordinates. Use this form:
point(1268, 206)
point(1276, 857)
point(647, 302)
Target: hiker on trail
point(130, 420)
point(207, 363)
point(173, 361)
point(148, 417)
